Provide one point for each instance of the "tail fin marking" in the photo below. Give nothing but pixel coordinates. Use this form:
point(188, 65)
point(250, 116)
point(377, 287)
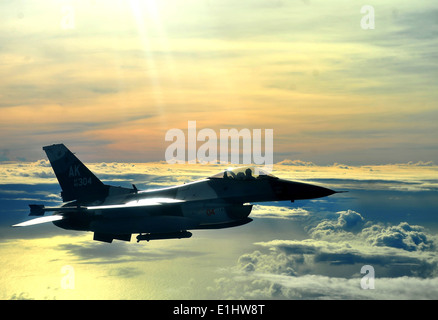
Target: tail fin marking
point(76, 180)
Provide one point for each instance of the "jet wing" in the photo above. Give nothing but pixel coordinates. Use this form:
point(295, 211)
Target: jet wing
point(39, 220)
point(137, 203)
point(40, 210)
point(141, 216)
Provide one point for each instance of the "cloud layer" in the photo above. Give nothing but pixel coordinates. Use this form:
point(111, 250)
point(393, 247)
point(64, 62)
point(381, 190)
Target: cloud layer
point(327, 265)
point(304, 250)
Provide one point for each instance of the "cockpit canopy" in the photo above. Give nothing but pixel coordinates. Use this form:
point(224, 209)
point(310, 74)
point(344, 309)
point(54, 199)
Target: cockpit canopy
point(243, 173)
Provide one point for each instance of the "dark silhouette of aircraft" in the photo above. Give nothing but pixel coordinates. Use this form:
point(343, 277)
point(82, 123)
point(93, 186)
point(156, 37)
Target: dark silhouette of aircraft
point(220, 201)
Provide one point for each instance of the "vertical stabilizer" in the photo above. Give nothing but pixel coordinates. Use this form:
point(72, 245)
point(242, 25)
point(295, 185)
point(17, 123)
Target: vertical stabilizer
point(76, 180)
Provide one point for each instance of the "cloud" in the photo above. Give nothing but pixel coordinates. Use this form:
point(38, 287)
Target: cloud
point(327, 265)
point(299, 163)
point(309, 255)
point(347, 221)
point(322, 261)
point(125, 272)
point(92, 252)
point(403, 236)
point(150, 79)
point(21, 296)
point(293, 271)
point(418, 164)
point(279, 212)
point(350, 224)
point(384, 177)
point(153, 173)
point(323, 287)
point(245, 286)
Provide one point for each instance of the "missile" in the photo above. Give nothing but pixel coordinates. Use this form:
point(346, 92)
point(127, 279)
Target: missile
point(166, 235)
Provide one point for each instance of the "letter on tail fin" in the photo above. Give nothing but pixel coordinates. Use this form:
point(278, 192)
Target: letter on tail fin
point(76, 180)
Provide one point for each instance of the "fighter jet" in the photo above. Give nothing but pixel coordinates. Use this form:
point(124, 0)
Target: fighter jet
point(220, 201)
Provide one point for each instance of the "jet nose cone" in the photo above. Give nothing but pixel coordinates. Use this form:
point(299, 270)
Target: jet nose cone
point(311, 191)
point(297, 191)
point(322, 192)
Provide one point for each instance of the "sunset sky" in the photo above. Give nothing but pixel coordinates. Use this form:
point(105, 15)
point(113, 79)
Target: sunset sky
point(116, 75)
point(351, 109)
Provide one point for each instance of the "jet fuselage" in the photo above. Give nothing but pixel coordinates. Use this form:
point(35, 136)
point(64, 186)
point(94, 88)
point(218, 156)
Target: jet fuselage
point(208, 203)
point(220, 201)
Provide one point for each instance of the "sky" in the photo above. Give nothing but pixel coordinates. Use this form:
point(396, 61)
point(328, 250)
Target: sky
point(351, 109)
point(118, 75)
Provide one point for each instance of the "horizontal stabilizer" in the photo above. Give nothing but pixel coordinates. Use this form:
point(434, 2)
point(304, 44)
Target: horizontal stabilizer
point(36, 210)
point(39, 220)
